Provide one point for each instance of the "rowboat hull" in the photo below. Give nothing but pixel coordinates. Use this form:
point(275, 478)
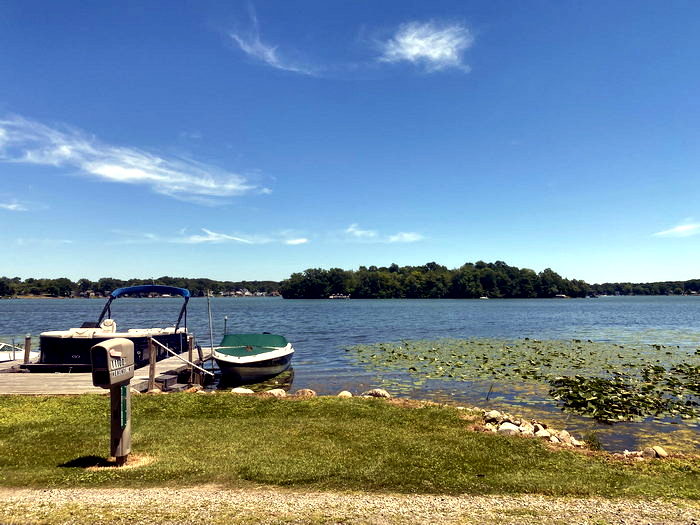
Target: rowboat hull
point(246, 373)
point(252, 358)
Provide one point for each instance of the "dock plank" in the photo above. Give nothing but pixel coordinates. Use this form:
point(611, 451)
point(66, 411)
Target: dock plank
point(81, 383)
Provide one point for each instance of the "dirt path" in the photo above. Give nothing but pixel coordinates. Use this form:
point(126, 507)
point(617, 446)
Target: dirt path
point(213, 505)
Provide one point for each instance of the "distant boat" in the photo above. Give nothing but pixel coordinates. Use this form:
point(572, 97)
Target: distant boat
point(483, 297)
point(251, 358)
point(9, 352)
point(561, 296)
point(69, 350)
point(339, 296)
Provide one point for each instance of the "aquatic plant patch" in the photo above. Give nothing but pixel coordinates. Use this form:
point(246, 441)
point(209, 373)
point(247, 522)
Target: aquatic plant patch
point(609, 382)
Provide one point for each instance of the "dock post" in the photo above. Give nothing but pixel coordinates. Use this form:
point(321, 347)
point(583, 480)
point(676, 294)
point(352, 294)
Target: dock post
point(190, 348)
point(151, 364)
point(27, 347)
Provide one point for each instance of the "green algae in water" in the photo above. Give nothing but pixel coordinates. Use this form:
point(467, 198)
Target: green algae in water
point(609, 382)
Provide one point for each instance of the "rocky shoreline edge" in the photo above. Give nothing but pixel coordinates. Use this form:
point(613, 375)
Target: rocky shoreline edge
point(491, 421)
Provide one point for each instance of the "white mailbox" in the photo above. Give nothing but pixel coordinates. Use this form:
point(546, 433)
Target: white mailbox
point(112, 362)
point(113, 368)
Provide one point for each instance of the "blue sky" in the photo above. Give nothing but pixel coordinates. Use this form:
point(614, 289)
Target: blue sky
point(250, 140)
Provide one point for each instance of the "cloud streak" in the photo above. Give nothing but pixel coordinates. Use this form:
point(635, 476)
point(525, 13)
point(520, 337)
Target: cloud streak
point(212, 237)
point(13, 206)
point(405, 237)
point(208, 237)
point(251, 44)
point(436, 47)
point(687, 229)
point(25, 141)
point(354, 232)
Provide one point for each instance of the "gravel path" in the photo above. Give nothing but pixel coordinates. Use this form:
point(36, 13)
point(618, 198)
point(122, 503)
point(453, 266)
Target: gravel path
point(213, 505)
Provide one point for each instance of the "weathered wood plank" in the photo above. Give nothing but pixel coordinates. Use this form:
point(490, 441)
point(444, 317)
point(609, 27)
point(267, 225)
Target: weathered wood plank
point(79, 383)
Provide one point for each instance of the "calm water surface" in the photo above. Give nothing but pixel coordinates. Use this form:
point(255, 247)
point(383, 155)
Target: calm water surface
point(321, 330)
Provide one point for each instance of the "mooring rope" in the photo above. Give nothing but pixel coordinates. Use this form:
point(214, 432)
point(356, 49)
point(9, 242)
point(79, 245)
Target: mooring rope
point(182, 358)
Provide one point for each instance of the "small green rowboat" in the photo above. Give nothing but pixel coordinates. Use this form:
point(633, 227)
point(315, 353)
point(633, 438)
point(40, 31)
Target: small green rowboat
point(251, 358)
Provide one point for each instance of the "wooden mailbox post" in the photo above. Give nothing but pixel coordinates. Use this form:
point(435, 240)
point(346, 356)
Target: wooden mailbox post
point(113, 368)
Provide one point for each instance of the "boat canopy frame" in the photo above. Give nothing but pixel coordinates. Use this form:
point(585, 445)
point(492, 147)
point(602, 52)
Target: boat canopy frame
point(148, 288)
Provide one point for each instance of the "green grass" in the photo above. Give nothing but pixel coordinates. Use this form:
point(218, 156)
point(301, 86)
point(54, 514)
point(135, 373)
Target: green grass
point(320, 443)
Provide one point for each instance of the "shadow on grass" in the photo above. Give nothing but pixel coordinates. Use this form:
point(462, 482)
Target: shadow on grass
point(87, 462)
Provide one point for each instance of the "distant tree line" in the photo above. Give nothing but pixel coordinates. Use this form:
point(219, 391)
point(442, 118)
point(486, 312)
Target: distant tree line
point(663, 288)
point(472, 280)
point(63, 287)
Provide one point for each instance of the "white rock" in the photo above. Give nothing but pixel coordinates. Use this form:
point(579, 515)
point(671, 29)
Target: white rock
point(305, 392)
point(490, 427)
point(277, 392)
point(528, 427)
point(564, 436)
point(575, 442)
point(554, 439)
point(508, 429)
point(345, 393)
point(492, 415)
point(377, 392)
point(660, 452)
point(648, 453)
point(542, 433)
point(241, 390)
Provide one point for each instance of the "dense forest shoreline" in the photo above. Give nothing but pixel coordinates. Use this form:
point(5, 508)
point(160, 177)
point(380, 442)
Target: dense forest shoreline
point(472, 280)
point(429, 281)
point(63, 287)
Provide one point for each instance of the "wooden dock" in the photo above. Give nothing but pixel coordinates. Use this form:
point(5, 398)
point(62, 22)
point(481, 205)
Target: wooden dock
point(81, 383)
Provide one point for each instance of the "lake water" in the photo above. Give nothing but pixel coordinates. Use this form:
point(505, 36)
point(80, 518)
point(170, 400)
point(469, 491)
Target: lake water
point(320, 330)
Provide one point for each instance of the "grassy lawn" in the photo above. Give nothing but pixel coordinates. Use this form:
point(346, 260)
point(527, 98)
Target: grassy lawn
point(319, 443)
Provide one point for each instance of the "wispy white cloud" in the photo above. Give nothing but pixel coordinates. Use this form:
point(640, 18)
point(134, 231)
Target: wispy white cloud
point(212, 237)
point(435, 46)
point(13, 206)
point(30, 142)
point(406, 237)
point(23, 241)
point(686, 229)
point(356, 233)
point(251, 44)
point(205, 237)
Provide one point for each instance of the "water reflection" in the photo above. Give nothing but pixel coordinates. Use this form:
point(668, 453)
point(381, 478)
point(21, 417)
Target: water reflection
point(283, 381)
